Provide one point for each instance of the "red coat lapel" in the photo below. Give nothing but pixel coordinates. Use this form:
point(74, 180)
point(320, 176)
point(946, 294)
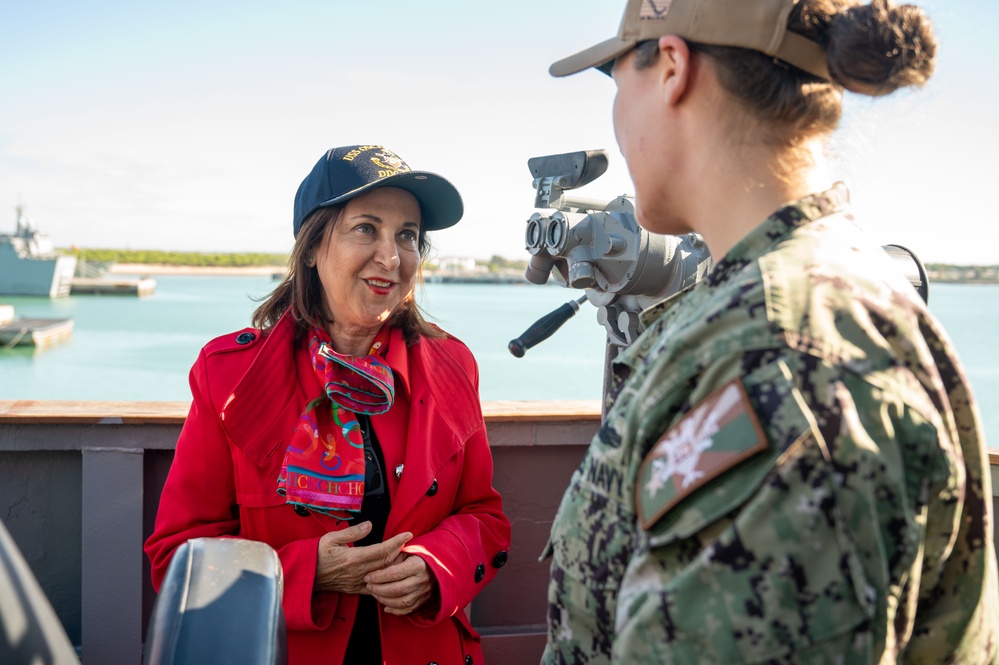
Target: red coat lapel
point(266, 402)
point(444, 412)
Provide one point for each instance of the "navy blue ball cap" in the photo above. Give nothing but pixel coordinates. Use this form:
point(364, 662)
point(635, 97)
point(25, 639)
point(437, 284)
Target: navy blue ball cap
point(343, 173)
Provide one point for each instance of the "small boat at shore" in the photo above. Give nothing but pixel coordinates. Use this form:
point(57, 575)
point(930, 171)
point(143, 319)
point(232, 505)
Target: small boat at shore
point(29, 265)
point(37, 332)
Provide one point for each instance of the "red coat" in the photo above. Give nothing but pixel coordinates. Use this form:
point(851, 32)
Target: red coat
point(247, 397)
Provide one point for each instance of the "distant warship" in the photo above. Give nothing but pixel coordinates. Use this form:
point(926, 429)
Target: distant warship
point(29, 265)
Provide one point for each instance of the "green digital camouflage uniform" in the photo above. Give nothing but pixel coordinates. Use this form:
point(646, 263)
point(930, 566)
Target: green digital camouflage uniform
point(854, 526)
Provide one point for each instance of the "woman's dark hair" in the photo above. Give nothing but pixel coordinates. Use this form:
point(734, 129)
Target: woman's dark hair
point(872, 49)
point(302, 293)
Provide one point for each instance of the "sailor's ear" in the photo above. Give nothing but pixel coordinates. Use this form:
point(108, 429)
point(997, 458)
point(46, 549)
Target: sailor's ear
point(674, 68)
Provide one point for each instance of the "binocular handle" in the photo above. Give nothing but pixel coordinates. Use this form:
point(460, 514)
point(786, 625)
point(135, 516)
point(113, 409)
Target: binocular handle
point(544, 327)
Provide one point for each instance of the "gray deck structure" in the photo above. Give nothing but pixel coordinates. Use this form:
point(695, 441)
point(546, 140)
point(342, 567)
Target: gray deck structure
point(80, 484)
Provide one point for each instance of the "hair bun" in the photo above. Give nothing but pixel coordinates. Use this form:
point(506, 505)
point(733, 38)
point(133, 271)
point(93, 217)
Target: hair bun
point(878, 48)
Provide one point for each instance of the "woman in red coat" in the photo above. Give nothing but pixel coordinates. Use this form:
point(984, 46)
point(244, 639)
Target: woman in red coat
point(345, 431)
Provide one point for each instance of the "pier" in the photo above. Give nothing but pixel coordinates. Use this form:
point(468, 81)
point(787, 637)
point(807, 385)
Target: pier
point(101, 286)
point(39, 333)
point(431, 277)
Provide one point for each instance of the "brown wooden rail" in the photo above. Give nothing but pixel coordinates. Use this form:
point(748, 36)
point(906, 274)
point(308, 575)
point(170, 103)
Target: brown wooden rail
point(34, 412)
point(59, 459)
point(80, 484)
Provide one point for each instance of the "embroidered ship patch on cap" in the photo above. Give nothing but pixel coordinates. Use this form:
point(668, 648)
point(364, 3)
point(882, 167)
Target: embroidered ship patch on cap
point(718, 433)
point(389, 163)
point(386, 162)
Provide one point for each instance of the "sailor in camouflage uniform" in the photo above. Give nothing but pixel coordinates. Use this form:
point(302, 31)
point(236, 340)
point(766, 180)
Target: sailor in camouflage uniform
point(794, 469)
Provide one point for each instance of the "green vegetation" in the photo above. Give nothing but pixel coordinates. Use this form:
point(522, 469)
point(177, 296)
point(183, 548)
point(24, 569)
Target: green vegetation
point(199, 259)
point(937, 272)
point(496, 264)
point(221, 259)
point(941, 272)
point(499, 264)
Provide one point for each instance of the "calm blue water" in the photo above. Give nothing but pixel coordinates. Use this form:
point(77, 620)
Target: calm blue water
point(127, 348)
point(141, 349)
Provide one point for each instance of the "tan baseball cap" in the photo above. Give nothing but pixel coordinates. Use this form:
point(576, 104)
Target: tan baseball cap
point(760, 25)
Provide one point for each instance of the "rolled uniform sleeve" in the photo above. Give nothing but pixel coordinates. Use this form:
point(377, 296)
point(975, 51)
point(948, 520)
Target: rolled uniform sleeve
point(958, 601)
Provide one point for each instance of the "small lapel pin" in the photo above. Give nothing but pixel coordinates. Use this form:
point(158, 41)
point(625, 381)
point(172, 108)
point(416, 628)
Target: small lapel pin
point(398, 470)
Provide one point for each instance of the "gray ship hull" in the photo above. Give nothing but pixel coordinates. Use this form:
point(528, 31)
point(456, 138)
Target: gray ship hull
point(49, 277)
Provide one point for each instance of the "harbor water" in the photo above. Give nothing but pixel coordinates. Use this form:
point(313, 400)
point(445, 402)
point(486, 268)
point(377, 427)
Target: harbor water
point(140, 349)
point(127, 348)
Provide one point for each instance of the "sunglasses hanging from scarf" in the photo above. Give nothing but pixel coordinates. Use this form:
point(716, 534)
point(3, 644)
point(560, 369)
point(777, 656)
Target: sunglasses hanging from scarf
point(323, 468)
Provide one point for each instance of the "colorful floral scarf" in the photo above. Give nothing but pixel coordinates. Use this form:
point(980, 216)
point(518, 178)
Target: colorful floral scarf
point(323, 467)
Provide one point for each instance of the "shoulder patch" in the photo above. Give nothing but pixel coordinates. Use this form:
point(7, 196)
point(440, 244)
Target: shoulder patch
point(718, 433)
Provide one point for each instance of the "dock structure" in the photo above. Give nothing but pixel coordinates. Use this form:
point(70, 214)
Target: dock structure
point(143, 286)
point(474, 277)
point(39, 333)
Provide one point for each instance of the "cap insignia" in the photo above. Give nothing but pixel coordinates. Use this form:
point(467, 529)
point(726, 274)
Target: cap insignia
point(654, 10)
point(389, 163)
point(718, 433)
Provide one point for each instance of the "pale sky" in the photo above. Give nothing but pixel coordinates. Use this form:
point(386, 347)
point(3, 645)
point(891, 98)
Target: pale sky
point(188, 125)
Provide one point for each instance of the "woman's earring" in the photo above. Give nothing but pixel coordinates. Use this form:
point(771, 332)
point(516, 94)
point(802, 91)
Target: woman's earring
point(310, 261)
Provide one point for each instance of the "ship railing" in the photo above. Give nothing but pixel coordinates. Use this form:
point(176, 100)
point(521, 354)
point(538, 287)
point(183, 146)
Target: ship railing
point(90, 269)
point(80, 484)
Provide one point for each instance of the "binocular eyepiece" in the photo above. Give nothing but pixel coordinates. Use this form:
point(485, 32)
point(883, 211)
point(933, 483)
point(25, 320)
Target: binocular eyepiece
point(546, 234)
point(545, 238)
point(598, 246)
